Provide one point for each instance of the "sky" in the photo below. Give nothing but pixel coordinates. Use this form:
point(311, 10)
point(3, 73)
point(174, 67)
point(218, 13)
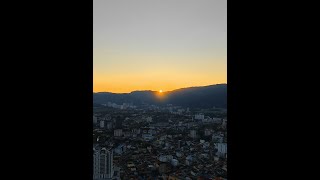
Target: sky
point(158, 44)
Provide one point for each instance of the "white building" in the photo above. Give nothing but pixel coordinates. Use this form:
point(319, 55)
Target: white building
point(102, 164)
point(224, 123)
point(117, 132)
point(199, 116)
point(222, 149)
point(101, 124)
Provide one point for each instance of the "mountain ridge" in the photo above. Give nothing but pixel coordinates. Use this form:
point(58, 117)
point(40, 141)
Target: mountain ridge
point(198, 96)
point(164, 91)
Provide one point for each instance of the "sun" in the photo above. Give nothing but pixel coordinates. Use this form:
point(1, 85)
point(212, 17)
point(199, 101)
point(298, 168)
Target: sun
point(160, 91)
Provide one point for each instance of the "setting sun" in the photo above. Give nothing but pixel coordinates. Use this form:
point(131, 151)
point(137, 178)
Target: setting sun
point(160, 91)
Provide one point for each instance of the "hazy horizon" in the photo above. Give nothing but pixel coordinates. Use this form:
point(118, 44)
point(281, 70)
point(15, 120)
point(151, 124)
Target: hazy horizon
point(158, 45)
point(157, 90)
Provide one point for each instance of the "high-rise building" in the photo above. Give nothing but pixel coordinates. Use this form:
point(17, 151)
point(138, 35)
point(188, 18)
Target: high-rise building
point(102, 164)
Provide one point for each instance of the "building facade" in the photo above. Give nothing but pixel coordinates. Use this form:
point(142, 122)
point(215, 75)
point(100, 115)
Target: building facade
point(101, 124)
point(118, 133)
point(222, 149)
point(102, 164)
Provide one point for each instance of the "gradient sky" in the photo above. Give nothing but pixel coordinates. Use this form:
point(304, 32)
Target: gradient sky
point(158, 44)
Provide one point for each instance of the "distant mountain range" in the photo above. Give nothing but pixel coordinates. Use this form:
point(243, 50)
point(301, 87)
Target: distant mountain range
point(194, 97)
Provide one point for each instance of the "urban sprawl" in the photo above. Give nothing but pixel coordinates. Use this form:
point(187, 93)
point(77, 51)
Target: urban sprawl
point(159, 142)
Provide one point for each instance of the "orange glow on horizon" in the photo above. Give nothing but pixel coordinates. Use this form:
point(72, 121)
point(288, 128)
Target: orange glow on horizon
point(118, 88)
point(160, 95)
point(156, 72)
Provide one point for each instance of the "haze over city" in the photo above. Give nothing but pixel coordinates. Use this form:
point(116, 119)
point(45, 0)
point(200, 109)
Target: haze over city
point(158, 45)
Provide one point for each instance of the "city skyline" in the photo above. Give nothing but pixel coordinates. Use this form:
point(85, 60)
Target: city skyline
point(158, 45)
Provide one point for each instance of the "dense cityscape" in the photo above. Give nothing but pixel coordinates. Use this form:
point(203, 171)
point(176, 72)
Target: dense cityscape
point(159, 142)
point(160, 90)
